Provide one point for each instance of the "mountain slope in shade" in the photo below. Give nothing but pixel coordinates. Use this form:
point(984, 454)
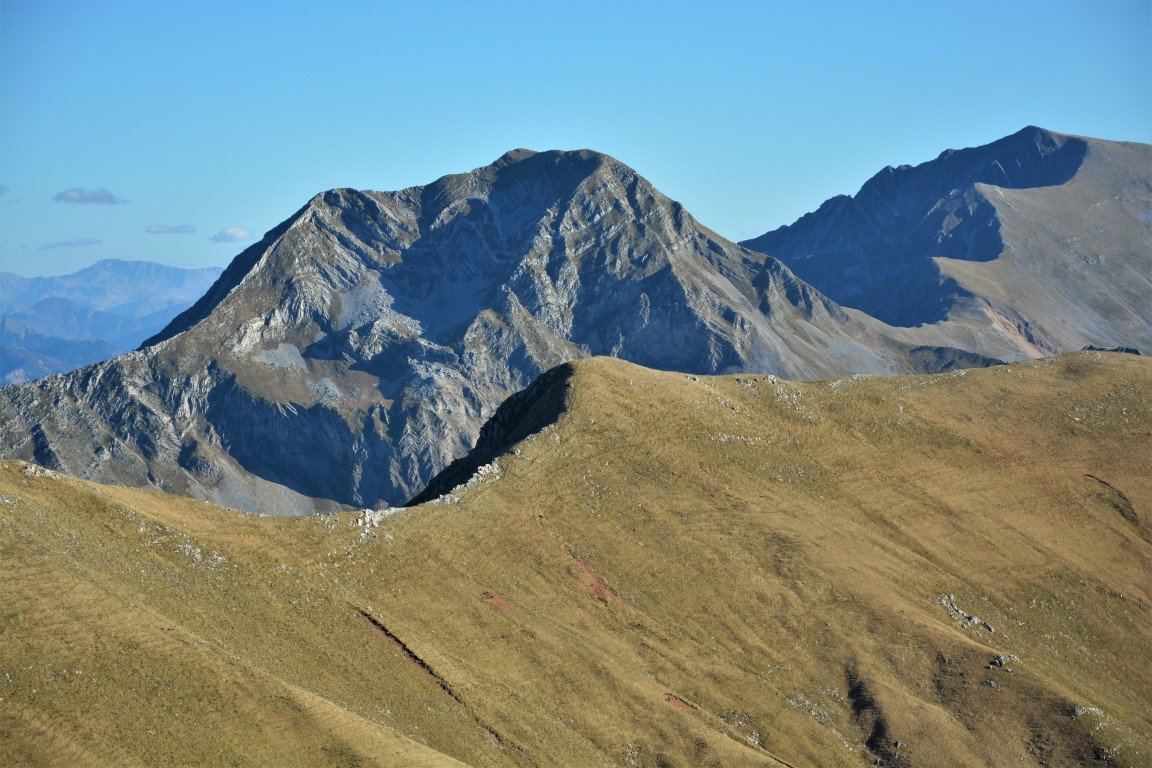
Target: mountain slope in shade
point(652, 570)
point(357, 349)
point(56, 324)
point(26, 355)
point(1035, 244)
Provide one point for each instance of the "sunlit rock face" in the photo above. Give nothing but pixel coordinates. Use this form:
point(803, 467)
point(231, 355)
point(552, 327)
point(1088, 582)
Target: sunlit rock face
point(357, 349)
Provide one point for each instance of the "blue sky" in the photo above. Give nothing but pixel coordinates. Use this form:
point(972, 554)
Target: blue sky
point(224, 118)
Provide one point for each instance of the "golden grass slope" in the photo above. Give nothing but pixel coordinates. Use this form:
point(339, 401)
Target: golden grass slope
point(917, 571)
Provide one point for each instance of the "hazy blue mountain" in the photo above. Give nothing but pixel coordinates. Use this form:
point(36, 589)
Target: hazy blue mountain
point(26, 355)
point(130, 288)
point(357, 349)
point(1035, 244)
point(56, 324)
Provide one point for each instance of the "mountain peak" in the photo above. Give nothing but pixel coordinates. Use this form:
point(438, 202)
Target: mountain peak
point(585, 160)
point(517, 188)
point(513, 156)
point(357, 348)
point(909, 246)
point(1035, 131)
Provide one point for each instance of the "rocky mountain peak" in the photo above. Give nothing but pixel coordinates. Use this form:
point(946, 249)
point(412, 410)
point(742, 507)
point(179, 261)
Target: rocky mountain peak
point(1031, 157)
point(513, 156)
point(1036, 243)
point(356, 350)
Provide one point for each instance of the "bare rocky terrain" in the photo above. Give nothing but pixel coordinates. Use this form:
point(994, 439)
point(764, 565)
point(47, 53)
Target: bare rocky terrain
point(1036, 244)
point(357, 349)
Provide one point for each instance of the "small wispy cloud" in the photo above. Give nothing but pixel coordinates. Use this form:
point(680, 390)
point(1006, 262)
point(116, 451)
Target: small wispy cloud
point(231, 235)
point(98, 196)
point(83, 242)
point(3, 190)
point(170, 229)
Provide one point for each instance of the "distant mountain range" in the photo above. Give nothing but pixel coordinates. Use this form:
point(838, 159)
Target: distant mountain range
point(1036, 244)
point(55, 324)
point(357, 349)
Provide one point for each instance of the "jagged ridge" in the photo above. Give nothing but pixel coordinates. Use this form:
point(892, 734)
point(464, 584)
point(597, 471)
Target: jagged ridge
point(358, 348)
point(1035, 244)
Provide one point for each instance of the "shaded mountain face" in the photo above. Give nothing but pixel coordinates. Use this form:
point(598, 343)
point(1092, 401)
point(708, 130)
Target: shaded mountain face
point(56, 324)
point(1035, 244)
point(357, 349)
point(26, 355)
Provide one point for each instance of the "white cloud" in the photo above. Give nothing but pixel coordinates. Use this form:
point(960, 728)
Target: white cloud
point(231, 235)
point(98, 196)
point(170, 229)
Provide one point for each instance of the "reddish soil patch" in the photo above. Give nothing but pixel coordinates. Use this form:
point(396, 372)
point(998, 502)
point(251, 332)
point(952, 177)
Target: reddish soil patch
point(678, 703)
point(505, 605)
point(599, 588)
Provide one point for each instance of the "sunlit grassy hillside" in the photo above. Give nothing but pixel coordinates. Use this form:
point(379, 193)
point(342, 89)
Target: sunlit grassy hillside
point(666, 571)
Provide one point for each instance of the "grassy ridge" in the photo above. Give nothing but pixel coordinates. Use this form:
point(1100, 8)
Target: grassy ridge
point(951, 570)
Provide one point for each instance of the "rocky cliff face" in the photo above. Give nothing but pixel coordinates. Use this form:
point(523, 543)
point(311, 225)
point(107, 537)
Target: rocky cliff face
point(1035, 244)
point(357, 349)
